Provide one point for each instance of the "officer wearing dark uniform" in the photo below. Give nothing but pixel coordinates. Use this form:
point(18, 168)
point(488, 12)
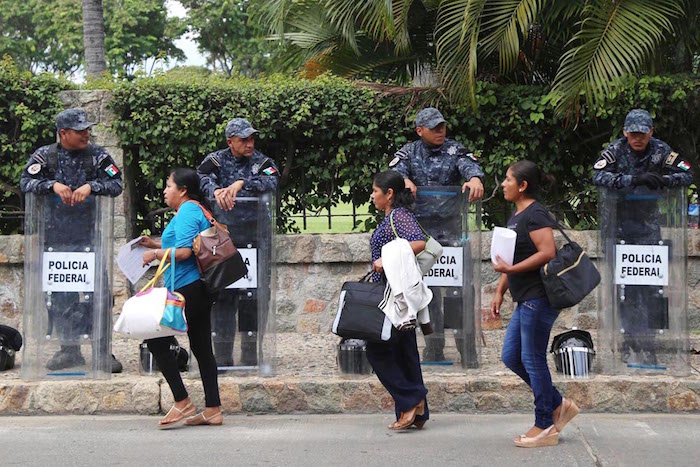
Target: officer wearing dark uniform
point(435, 160)
point(637, 165)
point(72, 169)
point(238, 170)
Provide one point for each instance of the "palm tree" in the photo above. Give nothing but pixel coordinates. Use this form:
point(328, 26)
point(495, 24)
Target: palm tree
point(94, 37)
point(580, 47)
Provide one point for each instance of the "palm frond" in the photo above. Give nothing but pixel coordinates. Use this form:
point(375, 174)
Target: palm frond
point(457, 36)
point(505, 25)
point(614, 40)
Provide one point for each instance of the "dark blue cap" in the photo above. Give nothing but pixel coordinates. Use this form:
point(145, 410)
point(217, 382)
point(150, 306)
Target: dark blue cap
point(429, 117)
point(638, 121)
point(239, 127)
point(73, 119)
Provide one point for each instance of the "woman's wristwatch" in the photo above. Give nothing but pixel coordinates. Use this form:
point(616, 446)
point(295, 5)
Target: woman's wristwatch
point(155, 254)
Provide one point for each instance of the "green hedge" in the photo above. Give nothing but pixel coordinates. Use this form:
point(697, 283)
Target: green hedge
point(329, 133)
point(28, 105)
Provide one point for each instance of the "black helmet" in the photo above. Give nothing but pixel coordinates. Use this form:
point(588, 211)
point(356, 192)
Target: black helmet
point(10, 343)
point(149, 365)
point(573, 353)
point(352, 357)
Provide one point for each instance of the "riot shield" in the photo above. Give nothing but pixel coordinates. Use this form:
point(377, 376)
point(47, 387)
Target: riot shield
point(67, 288)
point(243, 321)
point(642, 302)
point(446, 214)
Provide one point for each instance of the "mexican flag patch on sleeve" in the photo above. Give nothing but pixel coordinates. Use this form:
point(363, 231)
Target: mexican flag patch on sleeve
point(270, 171)
point(112, 170)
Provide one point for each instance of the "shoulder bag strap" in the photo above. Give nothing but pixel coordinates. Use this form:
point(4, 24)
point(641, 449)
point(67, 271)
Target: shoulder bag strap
point(206, 212)
point(558, 226)
point(172, 275)
point(161, 269)
point(391, 220)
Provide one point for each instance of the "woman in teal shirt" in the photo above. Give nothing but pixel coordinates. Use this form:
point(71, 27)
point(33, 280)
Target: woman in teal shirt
point(181, 192)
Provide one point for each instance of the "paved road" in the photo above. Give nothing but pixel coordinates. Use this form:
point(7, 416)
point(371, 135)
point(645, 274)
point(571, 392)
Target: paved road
point(346, 440)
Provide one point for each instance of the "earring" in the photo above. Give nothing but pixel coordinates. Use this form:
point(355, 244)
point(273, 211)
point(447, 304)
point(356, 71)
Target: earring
point(520, 191)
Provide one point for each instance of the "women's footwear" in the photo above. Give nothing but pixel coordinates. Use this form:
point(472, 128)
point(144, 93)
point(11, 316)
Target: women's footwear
point(419, 424)
point(186, 411)
point(548, 437)
point(201, 419)
point(407, 418)
point(568, 411)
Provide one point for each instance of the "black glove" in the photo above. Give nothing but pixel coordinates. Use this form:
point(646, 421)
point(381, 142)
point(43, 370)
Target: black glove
point(652, 180)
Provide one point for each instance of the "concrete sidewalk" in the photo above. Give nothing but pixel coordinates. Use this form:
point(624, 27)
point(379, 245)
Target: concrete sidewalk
point(347, 440)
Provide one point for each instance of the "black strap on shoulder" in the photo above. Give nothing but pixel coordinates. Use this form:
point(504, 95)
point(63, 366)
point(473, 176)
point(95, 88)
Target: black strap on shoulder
point(558, 226)
point(52, 158)
point(88, 160)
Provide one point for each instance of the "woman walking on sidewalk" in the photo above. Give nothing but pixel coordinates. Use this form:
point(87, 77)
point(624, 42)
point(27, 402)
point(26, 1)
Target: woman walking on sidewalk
point(397, 364)
point(182, 188)
point(527, 336)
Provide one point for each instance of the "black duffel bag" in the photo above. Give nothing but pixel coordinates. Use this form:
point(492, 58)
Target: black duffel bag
point(570, 276)
point(359, 315)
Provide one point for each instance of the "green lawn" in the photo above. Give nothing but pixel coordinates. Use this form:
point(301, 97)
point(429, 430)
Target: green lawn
point(341, 220)
point(319, 224)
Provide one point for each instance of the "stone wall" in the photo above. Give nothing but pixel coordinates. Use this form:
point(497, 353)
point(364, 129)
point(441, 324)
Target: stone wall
point(312, 268)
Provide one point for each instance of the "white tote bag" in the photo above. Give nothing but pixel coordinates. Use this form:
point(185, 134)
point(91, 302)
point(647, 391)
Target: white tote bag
point(154, 311)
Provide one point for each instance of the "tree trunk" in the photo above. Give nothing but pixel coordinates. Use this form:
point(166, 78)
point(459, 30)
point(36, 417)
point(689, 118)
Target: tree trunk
point(94, 37)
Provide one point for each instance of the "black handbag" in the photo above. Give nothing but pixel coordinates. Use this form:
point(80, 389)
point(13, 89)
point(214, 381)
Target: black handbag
point(570, 276)
point(359, 315)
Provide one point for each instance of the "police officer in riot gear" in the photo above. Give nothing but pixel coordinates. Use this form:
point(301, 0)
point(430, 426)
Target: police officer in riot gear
point(638, 164)
point(435, 160)
point(238, 170)
point(73, 169)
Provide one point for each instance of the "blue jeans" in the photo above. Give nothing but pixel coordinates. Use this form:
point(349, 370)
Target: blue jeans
point(525, 352)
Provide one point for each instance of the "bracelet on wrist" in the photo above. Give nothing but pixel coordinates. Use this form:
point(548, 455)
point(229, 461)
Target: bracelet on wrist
point(155, 254)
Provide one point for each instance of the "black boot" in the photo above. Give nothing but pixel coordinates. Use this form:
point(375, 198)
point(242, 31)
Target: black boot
point(116, 365)
point(68, 356)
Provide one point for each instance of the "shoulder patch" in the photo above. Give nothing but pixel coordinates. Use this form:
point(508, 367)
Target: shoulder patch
point(671, 159)
point(112, 170)
point(214, 158)
point(600, 164)
point(401, 154)
point(683, 165)
point(394, 161)
point(39, 158)
point(608, 156)
point(267, 167)
point(34, 169)
point(452, 150)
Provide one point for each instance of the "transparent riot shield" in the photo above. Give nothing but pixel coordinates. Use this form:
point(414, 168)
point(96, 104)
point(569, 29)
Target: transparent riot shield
point(243, 321)
point(67, 288)
point(446, 214)
point(642, 308)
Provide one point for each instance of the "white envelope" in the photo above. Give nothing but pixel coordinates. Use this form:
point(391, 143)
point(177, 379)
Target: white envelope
point(503, 245)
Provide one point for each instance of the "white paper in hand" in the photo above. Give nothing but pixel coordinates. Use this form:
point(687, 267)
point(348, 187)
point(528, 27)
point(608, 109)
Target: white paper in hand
point(503, 245)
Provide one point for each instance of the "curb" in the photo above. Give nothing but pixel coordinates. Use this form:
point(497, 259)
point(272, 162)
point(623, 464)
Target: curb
point(147, 395)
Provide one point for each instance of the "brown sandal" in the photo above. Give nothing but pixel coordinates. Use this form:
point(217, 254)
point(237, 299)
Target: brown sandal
point(186, 411)
point(201, 419)
point(407, 418)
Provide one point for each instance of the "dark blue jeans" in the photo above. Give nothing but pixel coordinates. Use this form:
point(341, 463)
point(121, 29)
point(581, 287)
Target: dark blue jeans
point(525, 352)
